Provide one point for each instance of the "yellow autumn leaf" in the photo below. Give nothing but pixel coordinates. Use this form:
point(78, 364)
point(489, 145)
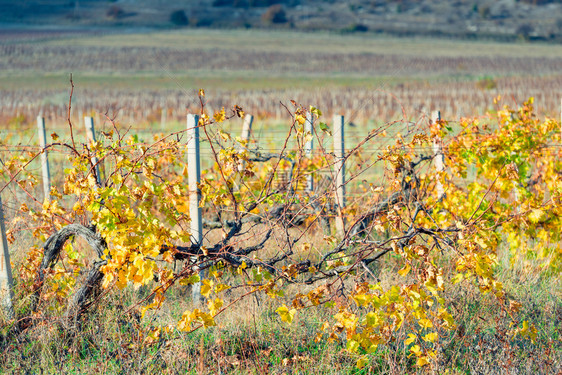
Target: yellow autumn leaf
point(404, 271)
point(285, 314)
point(241, 268)
point(416, 350)
point(220, 116)
point(182, 207)
point(352, 346)
point(215, 306)
point(315, 111)
point(300, 119)
point(206, 288)
point(528, 330)
point(207, 320)
point(361, 299)
point(430, 337)
point(168, 256)
point(185, 322)
point(536, 215)
point(362, 362)
point(220, 287)
point(425, 323)
point(225, 136)
point(457, 278)
point(422, 361)
point(189, 280)
point(107, 280)
point(77, 207)
point(372, 319)
point(411, 338)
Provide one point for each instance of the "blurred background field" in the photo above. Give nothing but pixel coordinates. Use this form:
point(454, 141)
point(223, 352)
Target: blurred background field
point(137, 75)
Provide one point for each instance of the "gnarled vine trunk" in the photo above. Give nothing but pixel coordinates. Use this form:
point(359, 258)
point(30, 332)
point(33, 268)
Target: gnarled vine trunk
point(90, 287)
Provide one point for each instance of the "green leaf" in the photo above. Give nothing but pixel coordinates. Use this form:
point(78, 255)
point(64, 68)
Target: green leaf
point(325, 128)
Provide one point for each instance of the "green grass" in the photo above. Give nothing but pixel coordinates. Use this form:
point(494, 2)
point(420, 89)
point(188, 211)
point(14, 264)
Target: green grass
point(324, 42)
point(192, 80)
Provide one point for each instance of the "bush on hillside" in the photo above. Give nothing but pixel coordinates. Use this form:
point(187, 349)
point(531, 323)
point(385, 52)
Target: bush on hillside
point(115, 12)
point(524, 31)
point(356, 28)
point(179, 18)
point(223, 3)
point(275, 14)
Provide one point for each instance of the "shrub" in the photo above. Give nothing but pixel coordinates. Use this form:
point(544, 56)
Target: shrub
point(487, 83)
point(356, 28)
point(17, 121)
point(203, 22)
point(223, 3)
point(115, 12)
point(484, 11)
point(275, 14)
point(179, 18)
point(524, 31)
point(263, 3)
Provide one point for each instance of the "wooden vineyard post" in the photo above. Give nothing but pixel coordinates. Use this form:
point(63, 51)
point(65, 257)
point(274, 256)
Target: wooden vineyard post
point(6, 282)
point(91, 134)
point(339, 165)
point(308, 147)
point(439, 157)
point(194, 178)
point(245, 137)
point(44, 158)
point(247, 129)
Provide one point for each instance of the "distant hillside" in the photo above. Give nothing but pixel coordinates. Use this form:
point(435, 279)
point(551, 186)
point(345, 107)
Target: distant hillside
point(495, 19)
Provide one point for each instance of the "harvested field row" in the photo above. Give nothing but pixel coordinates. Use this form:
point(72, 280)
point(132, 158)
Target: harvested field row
point(52, 59)
point(139, 107)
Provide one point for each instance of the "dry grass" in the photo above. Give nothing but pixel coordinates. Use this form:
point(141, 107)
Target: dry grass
point(250, 338)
